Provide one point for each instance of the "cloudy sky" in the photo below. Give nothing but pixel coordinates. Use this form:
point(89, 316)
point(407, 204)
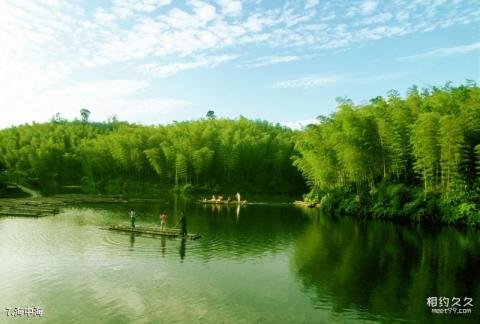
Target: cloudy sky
point(154, 61)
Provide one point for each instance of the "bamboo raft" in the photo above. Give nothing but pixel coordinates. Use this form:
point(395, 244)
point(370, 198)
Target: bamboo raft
point(153, 230)
point(29, 208)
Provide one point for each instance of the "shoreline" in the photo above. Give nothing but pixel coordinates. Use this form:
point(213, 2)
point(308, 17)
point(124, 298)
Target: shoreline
point(52, 205)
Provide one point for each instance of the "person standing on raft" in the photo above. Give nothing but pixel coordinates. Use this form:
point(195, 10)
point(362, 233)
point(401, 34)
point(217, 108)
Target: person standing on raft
point(132, 216)
point(163, 220)
point(183, 223)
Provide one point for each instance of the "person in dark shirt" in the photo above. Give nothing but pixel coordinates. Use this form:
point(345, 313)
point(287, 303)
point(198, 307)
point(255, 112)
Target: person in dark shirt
point(183, 223)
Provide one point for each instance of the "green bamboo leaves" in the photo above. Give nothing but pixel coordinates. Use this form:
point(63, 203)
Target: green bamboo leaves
point(429, 142)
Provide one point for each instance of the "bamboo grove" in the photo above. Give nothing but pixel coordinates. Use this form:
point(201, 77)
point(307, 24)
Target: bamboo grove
point(416, 158)
point(117, 157)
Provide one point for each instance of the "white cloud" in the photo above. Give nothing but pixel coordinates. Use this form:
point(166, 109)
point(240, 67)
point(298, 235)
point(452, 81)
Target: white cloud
point(306, 82)
point(445, 51)
point(204, 12)
point(98, 90)
point(311, 4)
point(103, 98)
point(314, 81)
point(402, 15)
point(200, 28)
point(192, 30)
point(328, 16)
point(368, 6)
point(230, 7)
point(270, 60)
point(46, 43)
point(375, 79)
point(165, 70)
point(300, 124)
point(377, 19)
point(104, 18)
point(139, 5)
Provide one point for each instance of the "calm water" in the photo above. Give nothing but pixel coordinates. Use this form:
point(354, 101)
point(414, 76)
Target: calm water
point(259, 264)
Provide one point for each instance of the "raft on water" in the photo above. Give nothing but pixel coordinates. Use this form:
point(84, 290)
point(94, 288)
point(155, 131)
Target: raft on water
point(29, 208)
point(223, 202)
point(153, 230)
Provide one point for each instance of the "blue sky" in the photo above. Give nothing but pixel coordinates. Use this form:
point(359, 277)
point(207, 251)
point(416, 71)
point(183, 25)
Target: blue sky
point(155, 61)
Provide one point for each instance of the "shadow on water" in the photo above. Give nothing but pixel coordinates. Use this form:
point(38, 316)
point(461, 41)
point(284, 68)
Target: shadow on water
point(388, 269)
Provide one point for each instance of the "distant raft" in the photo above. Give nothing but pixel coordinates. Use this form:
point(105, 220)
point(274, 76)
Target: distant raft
point(223, 202)
point(154, 231)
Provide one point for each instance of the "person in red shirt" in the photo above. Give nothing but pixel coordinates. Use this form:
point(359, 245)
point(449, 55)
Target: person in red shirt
point(163, 220)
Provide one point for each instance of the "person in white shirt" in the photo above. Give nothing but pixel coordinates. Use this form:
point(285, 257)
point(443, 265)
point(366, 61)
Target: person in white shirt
point(132, 216)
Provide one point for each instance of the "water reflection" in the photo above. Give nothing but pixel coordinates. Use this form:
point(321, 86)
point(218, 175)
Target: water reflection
point(147, 241)
point(163, 243)
point(218, 209)
point(182, 249)
point(132, 241)
point(386, 268)
point(238, 212)
point(262, 229)
point(274, 265)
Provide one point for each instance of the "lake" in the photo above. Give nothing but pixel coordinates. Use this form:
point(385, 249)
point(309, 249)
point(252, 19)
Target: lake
point(253, 264)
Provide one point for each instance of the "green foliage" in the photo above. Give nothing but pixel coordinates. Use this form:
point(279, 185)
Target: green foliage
point(415, 158)
point(184, 189)
point(84, 114)
point(312, 197)
point(3, 182)
point(477, 151)
point(452, 157)
point(181, 169)
point(426, 150)
point(115, 157)
point(211, 114)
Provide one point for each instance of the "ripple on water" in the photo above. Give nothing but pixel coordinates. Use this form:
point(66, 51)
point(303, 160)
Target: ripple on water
point(144, 245)
point(241, 245)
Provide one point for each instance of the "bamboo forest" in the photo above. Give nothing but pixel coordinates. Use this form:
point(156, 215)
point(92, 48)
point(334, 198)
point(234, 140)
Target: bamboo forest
point(411, 159)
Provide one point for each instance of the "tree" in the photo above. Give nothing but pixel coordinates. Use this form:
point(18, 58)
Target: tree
point(211, 114)
point(112, 119)
point(84, 114)
point(201, 161)
point(156, 158)
point(477, 151)
point(57, 118)
point(181, 170)
point(426, 150)
point(451, 155)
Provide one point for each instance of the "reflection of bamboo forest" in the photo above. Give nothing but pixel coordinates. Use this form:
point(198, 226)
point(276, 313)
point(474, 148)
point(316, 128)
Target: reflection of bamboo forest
point(360, 264)
point(415, 158)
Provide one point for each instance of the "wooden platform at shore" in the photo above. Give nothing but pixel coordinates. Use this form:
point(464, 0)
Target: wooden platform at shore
point(300, 203)
point(222, 202)
point(33, 207)
point(153, 230)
